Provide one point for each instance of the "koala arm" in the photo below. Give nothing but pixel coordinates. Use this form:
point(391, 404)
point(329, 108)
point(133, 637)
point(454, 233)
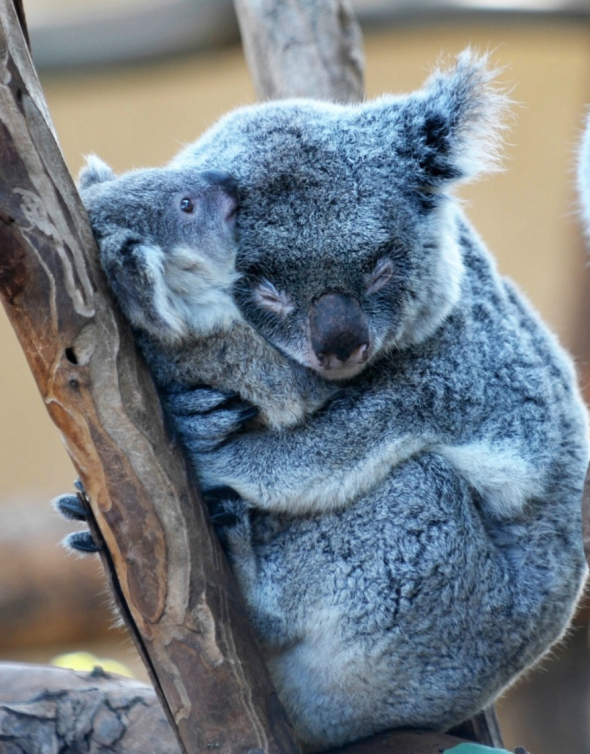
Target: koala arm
point(239, 360)
point(363, 432)
point(204, 340)
point(321, 465)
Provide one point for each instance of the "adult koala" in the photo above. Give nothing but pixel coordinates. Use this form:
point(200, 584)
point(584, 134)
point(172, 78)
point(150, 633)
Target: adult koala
point(413, 545)
point(416, 543)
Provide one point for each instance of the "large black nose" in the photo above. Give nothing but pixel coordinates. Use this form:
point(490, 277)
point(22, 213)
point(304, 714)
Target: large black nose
point(339, 332)
point(224, 193)
point(223, 180)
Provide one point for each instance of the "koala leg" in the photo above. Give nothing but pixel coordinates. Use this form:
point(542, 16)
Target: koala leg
point(403, 609)
point(232, 519)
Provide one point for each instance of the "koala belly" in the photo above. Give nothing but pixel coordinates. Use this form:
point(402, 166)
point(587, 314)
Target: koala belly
point(408, 609)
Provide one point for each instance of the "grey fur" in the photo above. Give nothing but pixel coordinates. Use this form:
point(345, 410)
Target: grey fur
point(419, 541)
point(416, 542)
point(172, 274)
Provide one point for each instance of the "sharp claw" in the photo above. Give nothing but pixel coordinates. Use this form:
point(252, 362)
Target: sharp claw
point(223, 518)
point(82, 541)
point(71, 507)
point(249, 413)
point(217, 494)
point(230, 397)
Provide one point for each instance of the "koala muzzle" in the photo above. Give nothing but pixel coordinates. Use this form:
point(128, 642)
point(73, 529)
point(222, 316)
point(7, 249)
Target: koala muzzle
point(339, 332)
point(224, 181)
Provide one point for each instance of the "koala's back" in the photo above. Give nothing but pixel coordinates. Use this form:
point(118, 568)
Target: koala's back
point(423, 618)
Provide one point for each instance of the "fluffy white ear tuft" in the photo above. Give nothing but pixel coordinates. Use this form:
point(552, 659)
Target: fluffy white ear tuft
point(451, 130)
point(94, 171)
point(471, 108)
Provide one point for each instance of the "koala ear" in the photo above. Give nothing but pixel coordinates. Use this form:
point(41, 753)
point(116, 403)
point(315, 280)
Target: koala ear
point(94, 171)
point(450, 131)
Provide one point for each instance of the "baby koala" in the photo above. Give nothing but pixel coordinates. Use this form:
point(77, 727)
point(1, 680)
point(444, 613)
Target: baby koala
point(167, 240)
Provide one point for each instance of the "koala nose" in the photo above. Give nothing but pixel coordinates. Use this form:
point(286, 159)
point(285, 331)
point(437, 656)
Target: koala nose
point(339, 332)
point(220, 179)
point(223, 180)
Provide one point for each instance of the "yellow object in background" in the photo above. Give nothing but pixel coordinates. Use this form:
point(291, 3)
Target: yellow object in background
point(87, 661)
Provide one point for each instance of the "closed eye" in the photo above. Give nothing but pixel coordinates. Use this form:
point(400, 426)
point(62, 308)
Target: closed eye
point(266, 296)
point(380, 276)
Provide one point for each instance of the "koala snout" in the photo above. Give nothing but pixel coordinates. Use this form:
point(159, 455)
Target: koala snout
point(339, 332)
point(224, 181)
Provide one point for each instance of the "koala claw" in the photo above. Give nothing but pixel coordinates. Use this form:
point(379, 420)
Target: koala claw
point(200, 400)
point(225, 506)
point(82, 541)
point(80, 487)
point(75, 508)
point(204, 431)
point(226, 509)
point(71, 507)
point(223, 518)
point(249, 413)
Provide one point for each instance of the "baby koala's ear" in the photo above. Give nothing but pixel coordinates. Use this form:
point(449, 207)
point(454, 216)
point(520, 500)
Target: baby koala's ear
point(94, 171)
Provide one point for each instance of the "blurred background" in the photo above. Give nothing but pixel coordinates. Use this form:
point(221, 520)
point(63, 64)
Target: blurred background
point(135, 80)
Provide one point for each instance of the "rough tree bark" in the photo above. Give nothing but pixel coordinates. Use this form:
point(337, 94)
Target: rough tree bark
point(46, 709)
point(181, 603)
point(300, 48)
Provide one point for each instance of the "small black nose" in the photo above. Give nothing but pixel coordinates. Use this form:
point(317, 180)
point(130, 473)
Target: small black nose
point(224, 180)
point(338, 328)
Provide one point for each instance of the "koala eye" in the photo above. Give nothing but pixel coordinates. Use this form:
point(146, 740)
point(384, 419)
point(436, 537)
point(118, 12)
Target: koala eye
point(268, 297)
point(186, 205)
point(380, 276)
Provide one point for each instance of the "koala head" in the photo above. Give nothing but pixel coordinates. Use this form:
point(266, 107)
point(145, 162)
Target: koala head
point(167, 244)
point(347, 234)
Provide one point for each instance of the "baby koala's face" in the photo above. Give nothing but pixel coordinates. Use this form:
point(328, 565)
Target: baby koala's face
point(167, 241)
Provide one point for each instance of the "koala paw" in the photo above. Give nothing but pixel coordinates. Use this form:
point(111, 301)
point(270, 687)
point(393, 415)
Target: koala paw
point(204, 418)
point(227, 512)
point(226, 507)
point(199, 400)
point(75, 507)
point(70, 507)
point(81, 541)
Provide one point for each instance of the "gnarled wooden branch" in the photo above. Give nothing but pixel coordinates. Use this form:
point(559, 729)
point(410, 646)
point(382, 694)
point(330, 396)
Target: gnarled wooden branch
point(43, 708)
point(180, 598)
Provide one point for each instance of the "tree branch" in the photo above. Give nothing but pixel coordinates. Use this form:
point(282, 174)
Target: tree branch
point(44, 708)
point(299, 48)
